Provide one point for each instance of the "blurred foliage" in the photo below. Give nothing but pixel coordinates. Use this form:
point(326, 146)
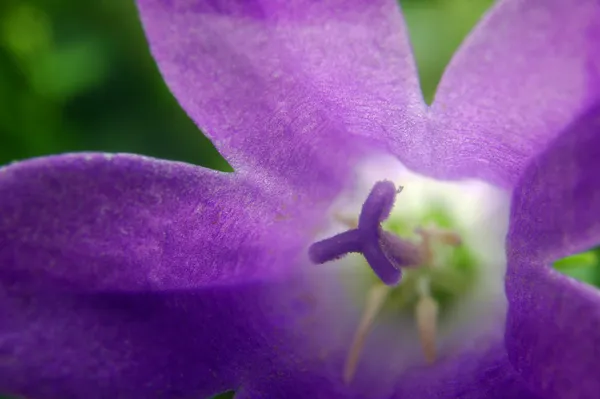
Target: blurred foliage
point(78, 76)
point(226, 395)
point(437, 28)
point(583, 267)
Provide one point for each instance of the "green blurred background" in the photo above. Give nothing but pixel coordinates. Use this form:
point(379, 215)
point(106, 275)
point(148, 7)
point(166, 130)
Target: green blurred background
point(77, 75)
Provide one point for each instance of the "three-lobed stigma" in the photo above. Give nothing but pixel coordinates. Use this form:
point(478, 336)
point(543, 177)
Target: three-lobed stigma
point(386, 254)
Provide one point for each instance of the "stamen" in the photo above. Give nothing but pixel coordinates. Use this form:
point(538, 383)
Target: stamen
point(349, 222)
point(445, 236)
point(430, 234)
point(375, 300)
point(426, 313)
point(385, 252)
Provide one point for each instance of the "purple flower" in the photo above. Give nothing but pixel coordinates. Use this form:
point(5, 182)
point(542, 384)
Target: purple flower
point(129, 277)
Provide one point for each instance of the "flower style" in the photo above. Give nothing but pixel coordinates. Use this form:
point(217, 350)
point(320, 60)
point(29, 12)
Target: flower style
point(124, 276)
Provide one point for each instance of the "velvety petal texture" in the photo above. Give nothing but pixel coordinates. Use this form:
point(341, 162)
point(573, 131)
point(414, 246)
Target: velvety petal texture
point(483, 374)
point(251, 338)
point(310, 75)
point(553, 330)
point(123, 276)
point(107, 212)
point(524, 74)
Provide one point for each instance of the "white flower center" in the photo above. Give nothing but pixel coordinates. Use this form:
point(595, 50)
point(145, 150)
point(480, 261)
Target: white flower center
point(456, 297)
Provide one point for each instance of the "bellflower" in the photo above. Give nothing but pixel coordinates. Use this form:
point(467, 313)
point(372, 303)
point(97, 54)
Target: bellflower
point(366, 246)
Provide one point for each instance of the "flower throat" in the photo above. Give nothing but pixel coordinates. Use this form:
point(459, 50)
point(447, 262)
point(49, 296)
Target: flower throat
point(424, 274)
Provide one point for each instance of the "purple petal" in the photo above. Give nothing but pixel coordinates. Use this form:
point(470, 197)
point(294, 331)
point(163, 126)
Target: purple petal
point(524, 74)
point(285, 87)
point(123, 276)
point(172, 225)
point(262, 340)
point(553, 331)
point(485, 374)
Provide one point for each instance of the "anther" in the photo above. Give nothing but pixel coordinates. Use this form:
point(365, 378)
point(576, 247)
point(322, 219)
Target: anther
point(444, 236)
point(431, 234)
point(386, 253)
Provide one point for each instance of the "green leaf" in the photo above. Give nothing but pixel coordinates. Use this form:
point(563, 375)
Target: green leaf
point(584, 267)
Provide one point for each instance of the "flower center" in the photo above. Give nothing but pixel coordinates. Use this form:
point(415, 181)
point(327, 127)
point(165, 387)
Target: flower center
point(386, 253)
point(423, 269)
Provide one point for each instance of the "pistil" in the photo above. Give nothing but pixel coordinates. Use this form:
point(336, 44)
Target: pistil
point(386, 254)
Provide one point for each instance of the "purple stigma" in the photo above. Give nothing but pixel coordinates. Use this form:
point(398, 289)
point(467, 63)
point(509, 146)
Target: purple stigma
point(385, 252)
